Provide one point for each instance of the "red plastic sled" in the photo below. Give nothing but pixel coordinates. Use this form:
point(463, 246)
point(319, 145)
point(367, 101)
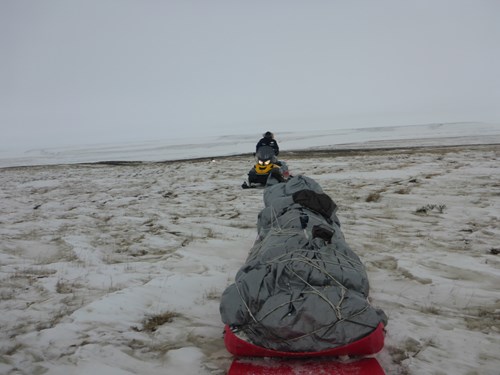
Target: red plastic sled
point(370, 344)
point(261, 366)
point(288, 363)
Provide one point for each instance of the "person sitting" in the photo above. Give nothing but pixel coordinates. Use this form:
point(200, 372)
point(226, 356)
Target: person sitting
point(268, 140)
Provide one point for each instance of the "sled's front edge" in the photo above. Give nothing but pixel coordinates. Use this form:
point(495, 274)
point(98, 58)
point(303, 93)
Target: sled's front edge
point(318, 366)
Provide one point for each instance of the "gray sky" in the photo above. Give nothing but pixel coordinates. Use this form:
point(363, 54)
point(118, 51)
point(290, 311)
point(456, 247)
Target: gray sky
point(97, 71)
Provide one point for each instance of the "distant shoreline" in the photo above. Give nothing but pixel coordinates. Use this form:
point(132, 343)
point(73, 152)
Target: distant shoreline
point(288, 154)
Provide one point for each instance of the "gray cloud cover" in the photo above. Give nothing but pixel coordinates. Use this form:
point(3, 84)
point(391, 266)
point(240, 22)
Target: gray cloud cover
point(121, 70)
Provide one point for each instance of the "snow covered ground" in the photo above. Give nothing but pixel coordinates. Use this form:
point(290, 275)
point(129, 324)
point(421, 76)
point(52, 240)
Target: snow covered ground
point(118, 269)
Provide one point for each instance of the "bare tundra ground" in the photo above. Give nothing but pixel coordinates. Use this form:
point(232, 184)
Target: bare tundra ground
point(121, 265)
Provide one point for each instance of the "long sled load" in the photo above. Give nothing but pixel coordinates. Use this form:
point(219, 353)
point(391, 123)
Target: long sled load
point(302, 291)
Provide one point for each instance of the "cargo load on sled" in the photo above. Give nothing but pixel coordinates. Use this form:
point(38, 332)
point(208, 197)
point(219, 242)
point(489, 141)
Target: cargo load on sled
point(302, 291)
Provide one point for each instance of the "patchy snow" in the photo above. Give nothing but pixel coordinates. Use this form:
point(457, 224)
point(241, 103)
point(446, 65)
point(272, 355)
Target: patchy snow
point(91, 254)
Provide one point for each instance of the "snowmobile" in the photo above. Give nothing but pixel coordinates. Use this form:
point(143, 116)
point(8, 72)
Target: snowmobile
point(267, 170)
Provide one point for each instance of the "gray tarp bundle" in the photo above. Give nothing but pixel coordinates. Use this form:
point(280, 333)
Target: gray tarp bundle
point(301, 289)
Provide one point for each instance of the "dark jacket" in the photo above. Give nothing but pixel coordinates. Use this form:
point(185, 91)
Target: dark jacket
point(268, 141)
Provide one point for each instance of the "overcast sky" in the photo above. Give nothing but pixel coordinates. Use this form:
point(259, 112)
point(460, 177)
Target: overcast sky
point(94, 71)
